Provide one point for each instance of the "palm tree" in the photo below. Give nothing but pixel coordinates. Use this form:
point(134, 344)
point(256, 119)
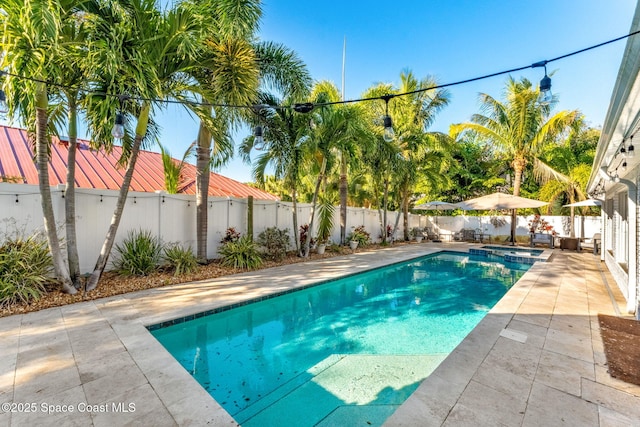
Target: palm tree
point(334, 128)
point(564, 170)
point(520, 126)
point(424, 155)
point(381, 157)
point(167, 48)
point(236, 73)
point(32, 34)
point(172, 170)
point(285, 133)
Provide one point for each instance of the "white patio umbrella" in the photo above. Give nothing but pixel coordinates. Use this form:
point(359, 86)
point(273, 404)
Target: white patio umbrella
point(499, 201)
point(588, 202)
point(436, 205)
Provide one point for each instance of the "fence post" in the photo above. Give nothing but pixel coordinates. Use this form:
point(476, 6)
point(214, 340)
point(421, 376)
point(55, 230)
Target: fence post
point(250, 217)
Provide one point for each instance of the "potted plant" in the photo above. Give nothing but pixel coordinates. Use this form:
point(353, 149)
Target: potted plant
point(358, 237)
point(416, 233)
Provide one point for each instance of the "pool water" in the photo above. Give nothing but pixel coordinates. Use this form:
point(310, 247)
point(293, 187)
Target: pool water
point(345, 352)
point(502, 249)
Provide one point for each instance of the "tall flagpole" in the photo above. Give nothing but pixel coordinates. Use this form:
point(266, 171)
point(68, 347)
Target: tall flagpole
point(344, 58)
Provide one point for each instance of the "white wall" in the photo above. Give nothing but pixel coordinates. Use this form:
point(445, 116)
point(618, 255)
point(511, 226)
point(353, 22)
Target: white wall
point(172, 218)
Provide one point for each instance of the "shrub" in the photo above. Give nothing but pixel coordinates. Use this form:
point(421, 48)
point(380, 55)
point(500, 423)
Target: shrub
point(242, 254)
point(361, 235)
point(231, 235)
point(139, 254)
point(275, 242)
point(181, 259)
point(304, 231)
point(25, 268)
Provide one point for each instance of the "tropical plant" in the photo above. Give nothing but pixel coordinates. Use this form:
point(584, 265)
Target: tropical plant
point(172, 169)
point(424, 156)
point(25, 269)
point(360, 235)
point(242, 64)
point(32, 37)
point(564, 171)
point(304, 232)
point(230, 235)
point(520, 127)
point(285, 133)
point(275, 242)
point(332, 127)
point(180, 259)
point(167, 46)
point(242, 254)
point(326, 210)
point(139, 254)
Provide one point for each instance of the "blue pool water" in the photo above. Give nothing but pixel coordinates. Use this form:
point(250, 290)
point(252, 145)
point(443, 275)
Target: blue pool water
point(344, 352)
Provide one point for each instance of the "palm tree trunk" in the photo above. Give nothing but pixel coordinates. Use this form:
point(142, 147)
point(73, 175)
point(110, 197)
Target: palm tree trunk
point(518, 167)
point(296, 235)
point(385, 196)
point(110, 238)
point(343, 198)
point(405, 215)
point(42, 156)
point(70, 196)
point(203, 152)
point(307, 242)
point(572, 230)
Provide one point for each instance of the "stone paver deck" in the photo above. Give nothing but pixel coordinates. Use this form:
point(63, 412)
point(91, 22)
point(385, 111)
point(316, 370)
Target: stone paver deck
point(535, 360)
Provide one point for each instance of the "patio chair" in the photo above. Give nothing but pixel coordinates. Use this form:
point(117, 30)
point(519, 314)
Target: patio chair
point(429, 234)
point(468, 235)
point(593, 243)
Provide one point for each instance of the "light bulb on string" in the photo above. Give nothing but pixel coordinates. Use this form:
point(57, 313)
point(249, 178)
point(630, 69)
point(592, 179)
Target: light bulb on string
point(388, 134)
point(258, 139)
point(546, 96)
point(118, 127)
point(631, 151)
point(4, 108)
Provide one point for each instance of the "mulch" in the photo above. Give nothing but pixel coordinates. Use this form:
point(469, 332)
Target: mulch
point(621, 338)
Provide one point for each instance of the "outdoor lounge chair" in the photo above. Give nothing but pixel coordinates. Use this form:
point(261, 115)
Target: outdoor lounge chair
point(593, 243)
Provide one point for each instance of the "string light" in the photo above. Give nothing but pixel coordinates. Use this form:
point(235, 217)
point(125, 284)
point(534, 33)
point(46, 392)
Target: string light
point(631, 151)
point(118, 127)
point(545, 86)
point(258, 139)
point(4, 108)
point(389, 134)
point(546, 96)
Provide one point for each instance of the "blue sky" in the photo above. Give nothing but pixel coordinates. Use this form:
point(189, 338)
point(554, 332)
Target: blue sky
point(450, 39)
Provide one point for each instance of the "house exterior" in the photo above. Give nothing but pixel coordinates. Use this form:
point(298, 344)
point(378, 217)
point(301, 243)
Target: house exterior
point(98, 169)
point(616, 172)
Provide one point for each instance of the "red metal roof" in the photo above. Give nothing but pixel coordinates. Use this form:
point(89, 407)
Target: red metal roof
point(98, 169)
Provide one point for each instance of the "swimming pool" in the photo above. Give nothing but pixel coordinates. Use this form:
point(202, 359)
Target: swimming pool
point(341, 352)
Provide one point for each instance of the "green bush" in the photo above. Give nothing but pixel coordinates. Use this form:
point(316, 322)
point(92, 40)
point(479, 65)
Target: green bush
point(139, 254)
point(181, 259)
point(25, 268)
point(275, 242)
point(361, 235)
point(243, 254)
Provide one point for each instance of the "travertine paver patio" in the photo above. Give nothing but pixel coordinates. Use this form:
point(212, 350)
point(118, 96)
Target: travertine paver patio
point(536, 359)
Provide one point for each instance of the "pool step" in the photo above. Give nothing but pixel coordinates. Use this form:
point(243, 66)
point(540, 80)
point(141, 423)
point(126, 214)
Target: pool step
point(343, 389)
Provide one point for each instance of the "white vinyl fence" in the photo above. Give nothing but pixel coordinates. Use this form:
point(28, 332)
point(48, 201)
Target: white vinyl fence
point(172, 218)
